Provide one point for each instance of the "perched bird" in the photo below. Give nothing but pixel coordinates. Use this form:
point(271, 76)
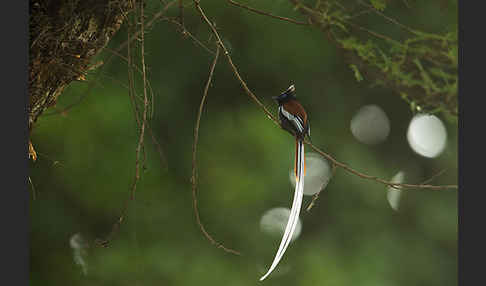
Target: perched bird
point(293, 118)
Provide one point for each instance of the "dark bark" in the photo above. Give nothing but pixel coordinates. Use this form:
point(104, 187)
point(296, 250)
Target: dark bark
point(64, 37)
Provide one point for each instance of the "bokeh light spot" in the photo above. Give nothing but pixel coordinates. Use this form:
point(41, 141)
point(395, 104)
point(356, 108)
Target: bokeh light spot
point(317, 174)
point(370, 125)
point(427, 135)
point(79, 245)
point(394, 195)
point(274, 221)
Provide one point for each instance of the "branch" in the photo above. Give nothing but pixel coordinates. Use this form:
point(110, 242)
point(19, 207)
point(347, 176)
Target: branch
point(235, 70)
point(194, 161)
point(186, 33)
point(327, 156)
point(145, 106)
point(389, 19)
point(181, 14)
point(268, 14)
point(316, 195)
point(376, 179)
point(148, 25)
point(142, 122)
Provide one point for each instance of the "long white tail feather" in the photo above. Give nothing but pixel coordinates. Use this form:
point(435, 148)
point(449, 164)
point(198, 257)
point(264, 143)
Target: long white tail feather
point(294, 212)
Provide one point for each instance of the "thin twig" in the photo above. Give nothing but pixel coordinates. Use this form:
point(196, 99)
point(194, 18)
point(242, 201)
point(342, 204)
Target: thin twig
point(317, 18)
point(54, 162)
point(187, 33)
point(268, 14)
point(434, 176)
point(139, 70)
point(194, 162)
point(156, 17)
point(114, 229)
point(374, 178)
point(131, 90)
point(141, 122)
point(316, 195)
point(147, 25)
point(373, 33)
point(94, 81)
point(230, 61)
point(162, 156)
point(145, 107)
point(329, 157)
point(181, 15)
point(389, 19)
point(361, 13)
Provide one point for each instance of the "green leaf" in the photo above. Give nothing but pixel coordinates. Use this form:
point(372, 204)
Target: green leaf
point(357, 74)
point(378, 4)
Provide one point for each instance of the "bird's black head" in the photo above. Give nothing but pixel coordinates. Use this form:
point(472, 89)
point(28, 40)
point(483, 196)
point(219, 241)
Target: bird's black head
point(285, 96)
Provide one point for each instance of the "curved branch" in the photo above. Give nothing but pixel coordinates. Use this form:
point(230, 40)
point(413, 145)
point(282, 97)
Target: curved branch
point(194, 161)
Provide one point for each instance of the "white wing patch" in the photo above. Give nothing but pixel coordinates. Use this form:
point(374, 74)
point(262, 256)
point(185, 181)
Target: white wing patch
point(295, 120)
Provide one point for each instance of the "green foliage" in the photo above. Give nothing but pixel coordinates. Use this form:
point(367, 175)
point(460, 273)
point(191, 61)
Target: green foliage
point(378, 4)
point(357, 74)
point(421, 68)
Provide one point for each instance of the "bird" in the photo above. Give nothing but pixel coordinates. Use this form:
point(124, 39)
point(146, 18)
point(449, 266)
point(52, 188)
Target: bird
point(293, 118)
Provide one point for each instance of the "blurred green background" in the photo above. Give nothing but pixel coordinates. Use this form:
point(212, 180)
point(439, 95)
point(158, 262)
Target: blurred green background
point(351, 236)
